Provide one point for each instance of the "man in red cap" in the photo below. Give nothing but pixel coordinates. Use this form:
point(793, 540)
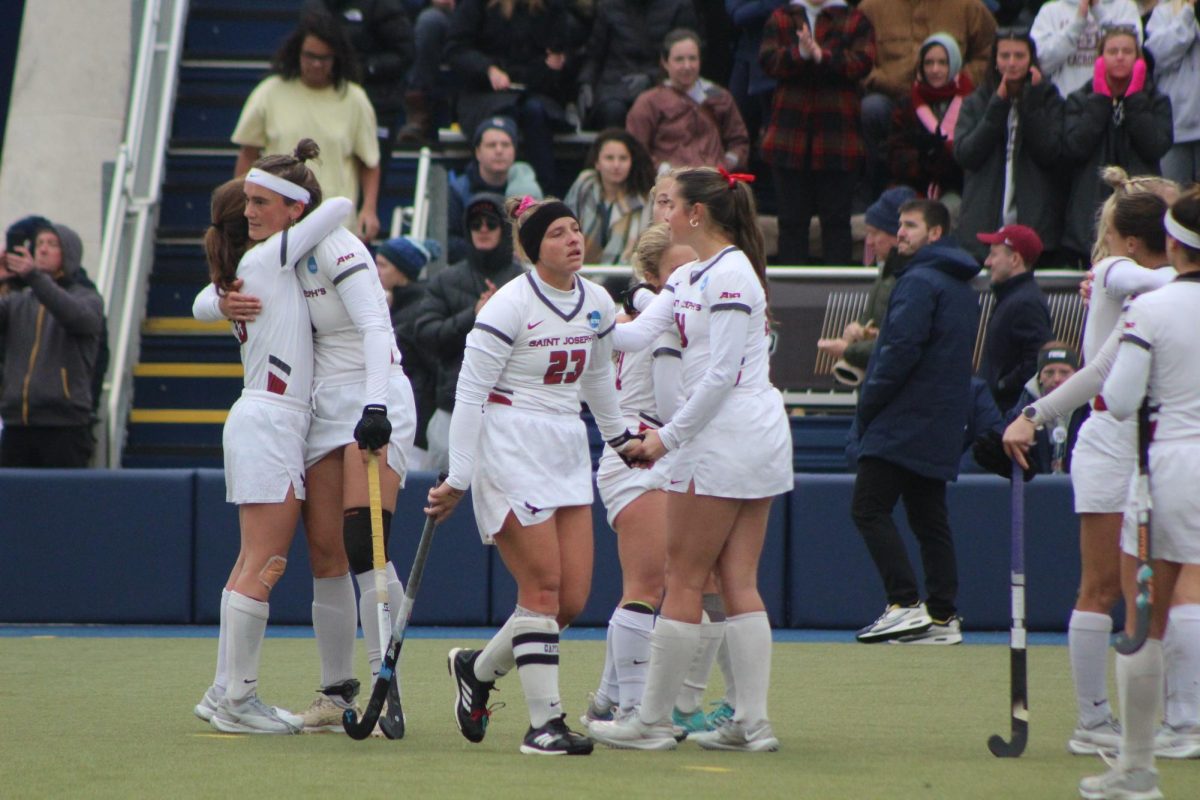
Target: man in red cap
point(1020, 322)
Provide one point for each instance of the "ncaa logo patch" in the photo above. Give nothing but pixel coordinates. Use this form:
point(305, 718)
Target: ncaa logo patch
point(312, 264)
point(594, 320)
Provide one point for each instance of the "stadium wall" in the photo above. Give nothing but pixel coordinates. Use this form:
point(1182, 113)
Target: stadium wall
point(155, 546)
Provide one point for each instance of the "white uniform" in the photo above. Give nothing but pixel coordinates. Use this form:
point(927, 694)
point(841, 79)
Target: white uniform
point(263, 438)
point(516, 437)
point(1158, 359)
point(731, 436)
point(356, 361)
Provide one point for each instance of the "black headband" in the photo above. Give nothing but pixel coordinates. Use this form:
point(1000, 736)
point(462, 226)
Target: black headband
point(532, 230)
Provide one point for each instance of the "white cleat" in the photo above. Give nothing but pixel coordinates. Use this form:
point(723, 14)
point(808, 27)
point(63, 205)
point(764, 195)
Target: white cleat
point(208, 704)
point(1100, 738)
point(1181, 743)
point(253, 716)
point(630, 733)
point(735, 736)
point(1118, 784)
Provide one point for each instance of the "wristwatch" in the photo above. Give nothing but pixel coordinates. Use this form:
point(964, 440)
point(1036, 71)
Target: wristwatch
point(1029, 413)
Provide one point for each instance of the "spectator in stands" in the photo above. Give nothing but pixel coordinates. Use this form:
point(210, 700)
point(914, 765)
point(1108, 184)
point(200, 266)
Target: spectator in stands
point(853, 349)
point(1009, 143)
point(1054, 441)
point(1020, 322)
point(900, 28)
point(400, 261)
point(51, 331)
point(752, 88)
point(611, 197)
point(622, 56)
point(493, 169)
point(382, 36)
point(1117, 119)
point(312, 93)
point(1067, 33)
point(688, 121)
point(511, 57)
point(908, 427)
point(1173, 37)
point(455, 296)
point(423, 104)
point(921, 147)
point(818, 51)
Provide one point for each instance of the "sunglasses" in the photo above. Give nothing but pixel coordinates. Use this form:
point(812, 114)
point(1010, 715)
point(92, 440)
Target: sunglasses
point(484, 223)
point(1012, 33)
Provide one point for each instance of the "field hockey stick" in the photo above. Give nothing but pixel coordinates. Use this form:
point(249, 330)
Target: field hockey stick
point(1124, 644)
point(378, 549)
point(383, 687)
point(1018, 687)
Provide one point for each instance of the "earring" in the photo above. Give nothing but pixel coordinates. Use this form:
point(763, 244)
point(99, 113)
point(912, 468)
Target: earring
point(695, 223)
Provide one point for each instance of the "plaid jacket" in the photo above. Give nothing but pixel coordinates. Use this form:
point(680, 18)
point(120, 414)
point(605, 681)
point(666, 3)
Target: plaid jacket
point(815, 112)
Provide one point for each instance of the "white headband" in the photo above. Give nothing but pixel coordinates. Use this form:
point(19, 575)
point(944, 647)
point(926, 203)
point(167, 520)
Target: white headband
point(283, 186)
point(1180, 233)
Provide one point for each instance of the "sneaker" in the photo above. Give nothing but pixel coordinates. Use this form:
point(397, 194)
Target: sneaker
point(896, 621)
point(208, 704)
point(596, 712)
point(719, 715)
point(253, 716)
point(1103, 736)
point(695, 722)
point(555, 739)
point(471, 712)
point(1118, 784)
point(947, 631)
point(1171, 742)
point(325, 713)
point(734, 736)
point(630, 733)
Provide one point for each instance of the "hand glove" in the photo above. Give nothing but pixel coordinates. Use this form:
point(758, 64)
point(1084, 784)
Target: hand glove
point(373, 430)
point(585, 101)
point(635, 83)
point(1137, 80)
point(624, 442)
point(1100, 78)
point(627, 296)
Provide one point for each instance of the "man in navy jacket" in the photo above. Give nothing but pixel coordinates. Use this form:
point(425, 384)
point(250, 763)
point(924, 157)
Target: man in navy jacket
point(909, 424)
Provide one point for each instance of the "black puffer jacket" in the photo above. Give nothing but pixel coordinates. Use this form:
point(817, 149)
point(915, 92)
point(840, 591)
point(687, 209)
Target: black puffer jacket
point(627, 36)
point(419, 364)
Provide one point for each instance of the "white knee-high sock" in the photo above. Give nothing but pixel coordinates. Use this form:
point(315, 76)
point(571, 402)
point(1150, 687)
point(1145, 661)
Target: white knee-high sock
point(631, 652)
point(1140, 688)
point(496, 659)
point(673, 646)
point(535, 650)
point(691, 693)
point(247, 622)
point(749, 639)
point(221, 678)
point(608, 693)
point(726, 665)
point(368, 612)
point(1181, 653)
point(1087, 645)
point(335, 622)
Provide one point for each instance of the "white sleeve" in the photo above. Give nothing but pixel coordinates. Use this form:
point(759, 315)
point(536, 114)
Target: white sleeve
point(1056, 42)
point(206, 306)
point(667, 369)
point(1126, 385)
point(308, 232)
point(1082, 386)
point(639, 334)
point(1124, 277)
point(362, 295)
point(596, 384)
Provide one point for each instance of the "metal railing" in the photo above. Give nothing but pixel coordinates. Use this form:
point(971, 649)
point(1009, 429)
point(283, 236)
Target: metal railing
point(127, 247)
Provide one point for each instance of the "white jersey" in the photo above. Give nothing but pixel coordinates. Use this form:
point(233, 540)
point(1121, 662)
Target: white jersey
point(1115, 279)
point(636, 378)
point(352, 329)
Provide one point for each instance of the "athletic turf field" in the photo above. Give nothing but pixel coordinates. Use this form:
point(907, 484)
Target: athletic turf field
point(111, 717)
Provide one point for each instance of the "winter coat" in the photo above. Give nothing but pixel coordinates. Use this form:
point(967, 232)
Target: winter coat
point(916, 397)
point(980, 147)
point(626, 41)
point(1174, 41)
point(419, 364)
point(749, 17)
point(859, 353)
point(1067, 45)
point(381, 33)
point(610, 231)
point(921, 151)
point(816, 107)
point(902, 25)
point(1019, 326)
point(468, 183)
point(677, 130)
point(51, 332)
point(1134, 133)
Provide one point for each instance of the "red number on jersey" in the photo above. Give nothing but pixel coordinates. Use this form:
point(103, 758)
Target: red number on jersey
point(559, 359)
point(239, 330)
point(620, 366)
point(681, 324)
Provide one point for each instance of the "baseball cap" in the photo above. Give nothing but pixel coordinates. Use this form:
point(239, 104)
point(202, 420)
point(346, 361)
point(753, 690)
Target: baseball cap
point(1021, 238)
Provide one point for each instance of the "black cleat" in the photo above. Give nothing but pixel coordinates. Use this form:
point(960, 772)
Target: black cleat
point(471, 695)
point(555, 739)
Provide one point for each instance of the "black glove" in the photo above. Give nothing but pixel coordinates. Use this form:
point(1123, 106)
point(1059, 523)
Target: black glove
point(374, 429)
point(627, 296)
point(988, 451)
point(617, 442)
point(585, 101)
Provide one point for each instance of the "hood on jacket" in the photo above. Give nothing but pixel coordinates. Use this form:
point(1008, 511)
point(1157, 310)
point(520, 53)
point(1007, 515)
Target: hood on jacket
point(72, 251)
point(953, 53)
point(945, 256)
point(489, 261)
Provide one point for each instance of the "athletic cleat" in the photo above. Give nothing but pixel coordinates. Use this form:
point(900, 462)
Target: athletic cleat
point(695, 722)
point(896, 621)
point(208, 704)
point(1104, 736)
point(944, 632)
point(471, 712)
point(1118, 784)
point(555, 739)
point(718, 715)
point(1171, 742)
point(253, 716)
point(325, 714)
point(596, 712)
point(630, 733)
point(734, 736)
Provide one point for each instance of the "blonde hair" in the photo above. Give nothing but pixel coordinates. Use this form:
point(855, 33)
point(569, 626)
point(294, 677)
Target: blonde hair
point(651, 245)
point(1123, 185)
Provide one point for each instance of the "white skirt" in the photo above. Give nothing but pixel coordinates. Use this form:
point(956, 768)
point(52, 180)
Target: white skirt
point(745, 451)
point(337, 409)
point(1175, 506)
point(529, 463)
point(263, 439)
point(1103, 464)
point(620, 485)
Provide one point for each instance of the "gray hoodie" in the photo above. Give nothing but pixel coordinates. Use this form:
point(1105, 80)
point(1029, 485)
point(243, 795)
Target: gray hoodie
point(51, 334)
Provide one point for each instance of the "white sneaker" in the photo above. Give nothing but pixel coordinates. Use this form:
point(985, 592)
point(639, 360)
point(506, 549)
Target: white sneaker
point(1118, 784)
point(1104, 736)
point(946, 632)
point(1171, 742)
point(734, 736)
point(896, 621)
point(630, 733)
point(208, 704)
point(596, 712)
point(325, 715)
point(253, 716)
